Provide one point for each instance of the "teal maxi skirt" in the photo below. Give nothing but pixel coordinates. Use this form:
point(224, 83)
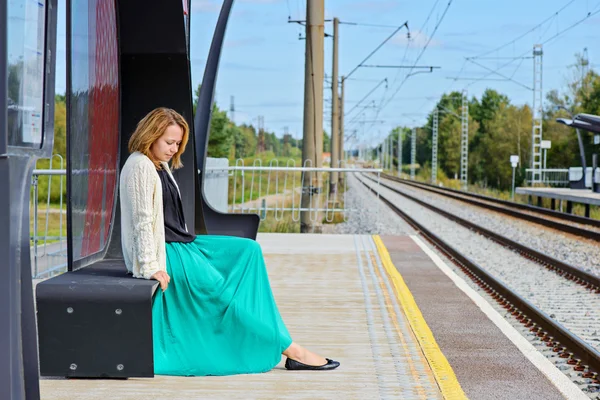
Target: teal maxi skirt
point(218, 315)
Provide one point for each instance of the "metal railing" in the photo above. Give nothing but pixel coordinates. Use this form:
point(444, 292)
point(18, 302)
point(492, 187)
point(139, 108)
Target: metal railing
point(550, 177)
point(48, 252)
point(283, 190)
point(273, 192)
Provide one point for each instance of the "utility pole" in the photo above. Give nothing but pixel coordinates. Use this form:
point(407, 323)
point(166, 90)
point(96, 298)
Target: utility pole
point(434, 146)
point(387, 153)
point(232, 109)
point(464, 145)
point(335, 111)
point(261, 145)
point(536, 131)
point(391, 142)
point(585, 68)
point(400, 153)
point(341, 135)
point(312, 138)
point(413, 153)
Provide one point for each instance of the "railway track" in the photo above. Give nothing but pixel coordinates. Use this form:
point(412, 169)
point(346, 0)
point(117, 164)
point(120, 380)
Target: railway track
point(569, 344)
point(580, 226)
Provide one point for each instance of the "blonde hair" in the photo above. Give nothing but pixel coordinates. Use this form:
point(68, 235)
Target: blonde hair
point(152, 127)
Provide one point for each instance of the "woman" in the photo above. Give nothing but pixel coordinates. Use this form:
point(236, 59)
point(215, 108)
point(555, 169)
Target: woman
point(215, 314)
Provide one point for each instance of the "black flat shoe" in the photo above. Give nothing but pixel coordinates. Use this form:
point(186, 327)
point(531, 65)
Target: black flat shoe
point(294, 365)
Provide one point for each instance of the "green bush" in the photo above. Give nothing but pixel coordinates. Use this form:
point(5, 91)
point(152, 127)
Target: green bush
point(52, 182)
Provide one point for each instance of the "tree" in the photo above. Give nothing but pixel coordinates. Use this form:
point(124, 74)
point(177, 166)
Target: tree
point(221, 134)
point(222, 130)
point(508, 132)
point(326, 142)
point(60, 126)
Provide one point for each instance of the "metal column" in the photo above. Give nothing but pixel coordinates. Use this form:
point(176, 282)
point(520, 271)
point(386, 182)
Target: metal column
point(413, 153)
point(434, 147)
point(536, 131)
point(335, 109)
point(390, 153)
point(400, 153)
point(464, 144)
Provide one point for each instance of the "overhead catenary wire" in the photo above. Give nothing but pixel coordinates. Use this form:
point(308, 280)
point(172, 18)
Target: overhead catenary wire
point(495, 71)
point(588, 15)
point(367, 95)
point(369, 25)
point(526, 33)
point(512, 59)
point(501, 75)
point(409, 40)
point(421, 53)
point(377, 48)
point(383, 103)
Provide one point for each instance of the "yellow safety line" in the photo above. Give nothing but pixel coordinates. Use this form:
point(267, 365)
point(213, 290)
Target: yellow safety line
point(442, 371)
point(392, 313)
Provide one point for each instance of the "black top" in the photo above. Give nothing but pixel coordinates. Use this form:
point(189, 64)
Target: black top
point(175, 230)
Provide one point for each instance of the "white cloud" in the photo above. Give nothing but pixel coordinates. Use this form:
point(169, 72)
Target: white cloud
point(417, 39)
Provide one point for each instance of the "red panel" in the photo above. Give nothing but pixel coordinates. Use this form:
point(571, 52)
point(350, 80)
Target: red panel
point(103, 121)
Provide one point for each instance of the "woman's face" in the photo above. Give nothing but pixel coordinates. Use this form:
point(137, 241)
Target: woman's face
point(167, 145)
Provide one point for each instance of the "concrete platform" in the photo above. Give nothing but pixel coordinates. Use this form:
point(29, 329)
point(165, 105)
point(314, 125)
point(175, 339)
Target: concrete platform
point(484, 353)
point(401, 326)
point(573, 195)
point(335, 300)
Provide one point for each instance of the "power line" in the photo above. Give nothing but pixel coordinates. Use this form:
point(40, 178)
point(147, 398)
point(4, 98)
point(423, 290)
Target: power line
point(492, 72)
point(378, 47)
point(370, 25)
point(367, 95)
point(500, 58)
point(420, 31)
point(501, 75)
point(589, 14)
point(361, 80)
point(422, 51)
point(526, 33)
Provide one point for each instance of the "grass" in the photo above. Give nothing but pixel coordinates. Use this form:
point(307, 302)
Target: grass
point(257, 184)
point(286, 223)
point(54, 224)
point(252, 185)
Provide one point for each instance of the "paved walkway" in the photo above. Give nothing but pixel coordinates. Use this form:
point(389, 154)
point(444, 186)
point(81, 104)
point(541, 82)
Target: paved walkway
point(338, 300)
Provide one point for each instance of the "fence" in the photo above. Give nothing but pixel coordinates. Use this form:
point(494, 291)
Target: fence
point(274, 192)
point(48, 249)
point(277, 189)
point(550, 177)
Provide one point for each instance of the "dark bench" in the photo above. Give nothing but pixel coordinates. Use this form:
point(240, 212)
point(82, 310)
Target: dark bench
point(96, 322)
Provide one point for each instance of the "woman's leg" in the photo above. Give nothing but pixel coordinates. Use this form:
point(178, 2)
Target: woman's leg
point(305, 356)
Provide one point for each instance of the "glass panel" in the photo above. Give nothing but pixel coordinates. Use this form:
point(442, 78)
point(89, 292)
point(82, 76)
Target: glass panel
point(26, 34)
point(94, 123)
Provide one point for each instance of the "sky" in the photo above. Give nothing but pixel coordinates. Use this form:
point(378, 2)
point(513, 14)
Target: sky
point(262, 64)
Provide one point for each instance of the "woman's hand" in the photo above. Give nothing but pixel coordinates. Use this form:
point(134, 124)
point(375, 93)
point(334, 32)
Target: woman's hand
point(163, 278)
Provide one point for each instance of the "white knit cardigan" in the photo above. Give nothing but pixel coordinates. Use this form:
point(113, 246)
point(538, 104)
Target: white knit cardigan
point(142, 219)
